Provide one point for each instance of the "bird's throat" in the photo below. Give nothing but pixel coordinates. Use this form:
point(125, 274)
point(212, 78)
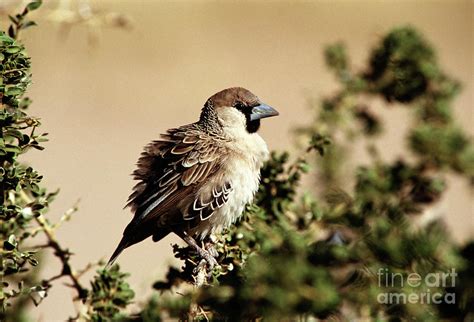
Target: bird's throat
point(252, 126)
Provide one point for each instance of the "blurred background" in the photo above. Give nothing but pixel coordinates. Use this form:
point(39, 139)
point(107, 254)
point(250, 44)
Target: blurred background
point(109, 76)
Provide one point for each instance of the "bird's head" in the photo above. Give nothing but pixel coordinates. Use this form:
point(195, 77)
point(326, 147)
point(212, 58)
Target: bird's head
point(237, 107)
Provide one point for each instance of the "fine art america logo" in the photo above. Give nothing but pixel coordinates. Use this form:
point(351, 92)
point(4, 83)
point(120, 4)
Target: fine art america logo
point(416, 288)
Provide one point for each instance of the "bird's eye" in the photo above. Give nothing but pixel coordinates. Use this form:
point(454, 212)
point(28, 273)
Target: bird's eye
point(239, 105)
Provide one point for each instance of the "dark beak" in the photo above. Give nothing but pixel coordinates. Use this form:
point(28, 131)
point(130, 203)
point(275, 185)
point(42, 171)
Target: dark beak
point(261, 111)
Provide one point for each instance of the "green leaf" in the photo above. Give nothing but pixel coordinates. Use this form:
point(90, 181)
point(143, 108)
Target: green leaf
point(12, 148)
point(14, 133)
point(28, 24)
point(13, 91)
point(13, 49)
point(6, 39)
point(34, 5)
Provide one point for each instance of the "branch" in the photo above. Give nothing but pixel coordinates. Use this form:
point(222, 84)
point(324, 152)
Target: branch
point(64, 256)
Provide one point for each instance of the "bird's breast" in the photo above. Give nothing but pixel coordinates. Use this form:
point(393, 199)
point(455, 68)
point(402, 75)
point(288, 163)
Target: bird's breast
point(243, 168)
point(242, 171)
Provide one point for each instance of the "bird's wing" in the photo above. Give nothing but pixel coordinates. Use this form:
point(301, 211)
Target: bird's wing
point(172, 172)
point(204, 205)
point(173, 169)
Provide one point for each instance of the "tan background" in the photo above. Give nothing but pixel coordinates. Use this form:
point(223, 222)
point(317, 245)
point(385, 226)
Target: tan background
point(101, 104)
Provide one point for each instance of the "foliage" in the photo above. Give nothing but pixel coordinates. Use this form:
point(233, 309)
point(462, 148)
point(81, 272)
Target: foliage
point(109, 295)
point(24, 202)
point(292, 255)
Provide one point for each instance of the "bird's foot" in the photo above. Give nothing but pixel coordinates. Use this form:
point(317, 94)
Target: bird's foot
point(208, 257)
point(211, 249)
point(203, 253)
point(203, 271)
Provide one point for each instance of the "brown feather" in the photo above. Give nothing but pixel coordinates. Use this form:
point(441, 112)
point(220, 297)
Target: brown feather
point(171, 171)
point(182, 148)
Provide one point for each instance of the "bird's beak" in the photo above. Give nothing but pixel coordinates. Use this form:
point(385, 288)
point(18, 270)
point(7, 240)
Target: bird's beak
point(261, 111)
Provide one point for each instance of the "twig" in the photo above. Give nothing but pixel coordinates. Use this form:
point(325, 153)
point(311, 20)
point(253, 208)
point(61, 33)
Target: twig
point(203, 313)
point(63, 255)
point(88, 267)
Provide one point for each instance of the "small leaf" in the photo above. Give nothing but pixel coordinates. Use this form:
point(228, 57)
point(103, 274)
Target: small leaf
point(12, 91)
point(13, 49)
point(28, 24)
point(6, 40)
point(33, 261)
point(12, 148)
point(33, 5)
point(10, 244)
point(11, 31)
point(38, 147)
point(13, 19)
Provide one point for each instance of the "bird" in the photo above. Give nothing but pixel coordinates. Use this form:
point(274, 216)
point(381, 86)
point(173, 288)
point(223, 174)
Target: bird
point(196, 179)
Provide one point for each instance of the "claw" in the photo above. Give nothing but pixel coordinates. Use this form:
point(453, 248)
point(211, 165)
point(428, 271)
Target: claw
point(211, 250)
point(205, 254)
point(211, 261)
point(200, 267)
point(203, 275)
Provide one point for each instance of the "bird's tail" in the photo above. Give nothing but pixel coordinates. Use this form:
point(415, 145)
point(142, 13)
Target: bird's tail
point(124, 243)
